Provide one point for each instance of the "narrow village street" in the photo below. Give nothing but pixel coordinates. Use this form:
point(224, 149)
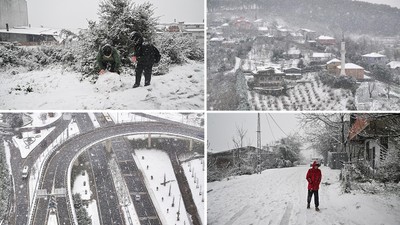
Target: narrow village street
point(278, 197)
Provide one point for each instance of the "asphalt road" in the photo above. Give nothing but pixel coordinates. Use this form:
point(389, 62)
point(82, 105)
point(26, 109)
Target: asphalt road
point(56, 168)
point(21, 198)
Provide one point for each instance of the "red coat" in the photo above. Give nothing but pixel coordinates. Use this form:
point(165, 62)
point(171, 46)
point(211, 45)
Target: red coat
point(314, 177)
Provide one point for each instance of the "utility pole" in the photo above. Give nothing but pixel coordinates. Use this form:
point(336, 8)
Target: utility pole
point(258, 142)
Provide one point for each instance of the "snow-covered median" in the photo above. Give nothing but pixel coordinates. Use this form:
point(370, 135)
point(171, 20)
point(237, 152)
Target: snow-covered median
point(181, 88)
point(278, 196)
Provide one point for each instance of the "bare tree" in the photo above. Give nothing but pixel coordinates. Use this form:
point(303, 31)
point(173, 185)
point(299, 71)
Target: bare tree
point(238, 139)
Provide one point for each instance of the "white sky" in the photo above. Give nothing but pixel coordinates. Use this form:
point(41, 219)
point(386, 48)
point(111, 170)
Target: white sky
point(74, 14)
point(221, 127)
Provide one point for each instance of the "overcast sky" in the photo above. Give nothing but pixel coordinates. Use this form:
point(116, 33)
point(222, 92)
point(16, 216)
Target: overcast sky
point(74, 14)
point(221, 127)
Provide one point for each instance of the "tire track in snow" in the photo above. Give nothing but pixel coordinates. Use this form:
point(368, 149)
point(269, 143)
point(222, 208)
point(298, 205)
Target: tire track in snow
point(286, 215)
point(237, 215)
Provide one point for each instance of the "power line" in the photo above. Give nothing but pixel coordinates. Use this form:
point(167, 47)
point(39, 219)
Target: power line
point(269, 125)
point(277, 124)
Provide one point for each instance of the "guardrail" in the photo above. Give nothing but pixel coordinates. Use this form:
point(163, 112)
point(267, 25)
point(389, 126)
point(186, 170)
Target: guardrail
point(44, 162)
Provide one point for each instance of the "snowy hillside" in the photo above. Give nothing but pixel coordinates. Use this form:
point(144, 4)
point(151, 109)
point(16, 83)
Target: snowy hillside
point(278, 196)
point(181, 88)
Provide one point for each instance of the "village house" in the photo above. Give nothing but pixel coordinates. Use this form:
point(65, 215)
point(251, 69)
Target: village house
point(352, 70)
point(332, 65)
point(308, 34)
point(374, 58)
point(269, 80)
point(31, 35)
point(243, 24)
point(373, 138)
point(293, 73)
point(326, 40)
point(320, 57)
point(293, 53)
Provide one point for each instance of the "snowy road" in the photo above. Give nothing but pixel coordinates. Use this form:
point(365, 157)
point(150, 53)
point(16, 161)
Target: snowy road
point(278, 197)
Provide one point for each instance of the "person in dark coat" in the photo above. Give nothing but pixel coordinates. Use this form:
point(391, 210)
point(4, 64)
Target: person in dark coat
point(146, 55)
point(313, 177)
point(108, 59)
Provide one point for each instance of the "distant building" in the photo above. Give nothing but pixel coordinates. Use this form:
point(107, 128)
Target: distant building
point(326, 40)
point(293, 73)
point(374, 58)
point(13, 13)
point(320, 57)
point(308, 34)
point(372, 139)
point(31, 35)
point(394, 65)
point(332, 65)
point(195, 30)
point(352, 70)
point(269, 80)
point(243, 24)
point(293, 53)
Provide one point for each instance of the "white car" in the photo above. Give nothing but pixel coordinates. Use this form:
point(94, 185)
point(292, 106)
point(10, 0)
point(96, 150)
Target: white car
point(25, 172)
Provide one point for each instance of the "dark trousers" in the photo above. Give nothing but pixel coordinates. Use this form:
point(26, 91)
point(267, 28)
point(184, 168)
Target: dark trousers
point(316, 198)
point(146, 70)
point(110, 66)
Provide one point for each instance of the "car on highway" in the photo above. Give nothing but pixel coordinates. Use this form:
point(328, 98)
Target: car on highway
point(25, 172)
point(137, 197)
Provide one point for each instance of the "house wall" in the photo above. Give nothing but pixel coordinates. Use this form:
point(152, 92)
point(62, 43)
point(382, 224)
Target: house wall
point(13, 12)
point(358, 74)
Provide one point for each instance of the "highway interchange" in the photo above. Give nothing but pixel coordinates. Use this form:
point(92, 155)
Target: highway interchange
point(54, 177)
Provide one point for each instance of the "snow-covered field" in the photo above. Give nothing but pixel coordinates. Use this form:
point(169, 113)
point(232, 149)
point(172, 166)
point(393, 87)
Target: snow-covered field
point(195, 177)
point(30, 140)
point(53, 88)
point(378, 101)
point(81, 186)
point(37, 122)
point(310, 95)
point(159, 165)
point(278, 196)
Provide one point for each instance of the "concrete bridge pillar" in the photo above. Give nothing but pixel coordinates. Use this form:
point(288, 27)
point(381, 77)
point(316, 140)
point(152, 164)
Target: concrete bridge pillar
point(190, 145)
point(149, 141)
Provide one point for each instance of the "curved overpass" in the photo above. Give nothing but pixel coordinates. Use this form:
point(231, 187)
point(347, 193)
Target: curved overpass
point(55, 175)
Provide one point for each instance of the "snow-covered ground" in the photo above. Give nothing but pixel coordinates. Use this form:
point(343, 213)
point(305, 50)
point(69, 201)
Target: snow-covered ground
point(94, 120)
point(53, 88)
point(159, 165)
point(37, 122)
point(30, 140)
point(310, 94)
point(195, 176)
point(81, 186)
point(378, 101)
point(278, 196)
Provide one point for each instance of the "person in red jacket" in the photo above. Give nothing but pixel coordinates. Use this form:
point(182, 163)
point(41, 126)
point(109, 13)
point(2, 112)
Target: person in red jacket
point(313, 177)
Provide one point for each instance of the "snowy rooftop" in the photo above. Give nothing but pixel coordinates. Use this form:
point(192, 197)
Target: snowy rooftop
point(258, 21)
point(217, 39)
point(322, 37)
point(265, 68)
point(333, 61)
point(225, 25)
point(374, 55)
point(307, 30)
point(294, 52)
point(394, 64)
point(351, 66)
point(263, 28)
point(321, 55)
point(32, 30)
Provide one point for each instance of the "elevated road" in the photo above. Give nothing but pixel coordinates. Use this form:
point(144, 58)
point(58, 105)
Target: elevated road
point(55, 175)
